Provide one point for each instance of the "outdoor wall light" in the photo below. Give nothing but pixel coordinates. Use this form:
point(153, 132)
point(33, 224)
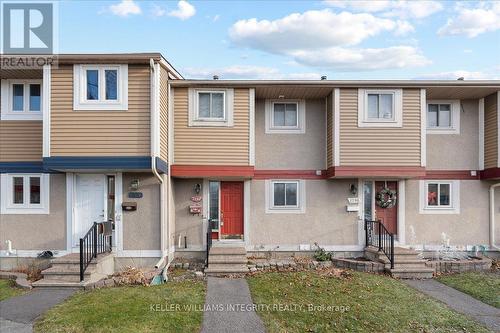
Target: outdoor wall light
point(134, 185)
point(353, 189)
point(197, 188)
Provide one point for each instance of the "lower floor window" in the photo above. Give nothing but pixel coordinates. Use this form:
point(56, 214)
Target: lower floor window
point(285, 196)
point(25, 193)
point(439, 196)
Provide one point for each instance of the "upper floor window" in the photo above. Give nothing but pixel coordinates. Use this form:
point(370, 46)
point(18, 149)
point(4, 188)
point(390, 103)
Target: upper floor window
point(285, 196)
point(285, 116)
point(443, 116)
point(25, 194)
point(211, 107)
point(439, 197)
point(380, 108)
point(23, 100)
point(100, 87)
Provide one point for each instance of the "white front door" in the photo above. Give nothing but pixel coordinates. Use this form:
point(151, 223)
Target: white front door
point(90, 203)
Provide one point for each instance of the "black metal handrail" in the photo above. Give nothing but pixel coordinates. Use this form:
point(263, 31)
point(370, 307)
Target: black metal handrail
point(96, 241)
point(377, 235)
point(209, 238)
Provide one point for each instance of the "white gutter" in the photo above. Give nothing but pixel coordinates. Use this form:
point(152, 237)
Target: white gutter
point(492, 216)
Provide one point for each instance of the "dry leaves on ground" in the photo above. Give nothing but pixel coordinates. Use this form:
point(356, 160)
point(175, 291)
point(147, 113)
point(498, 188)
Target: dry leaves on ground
point(131, 276)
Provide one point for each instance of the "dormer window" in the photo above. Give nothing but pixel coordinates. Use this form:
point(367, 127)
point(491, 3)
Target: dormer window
point(100, 87)
point(23, 99)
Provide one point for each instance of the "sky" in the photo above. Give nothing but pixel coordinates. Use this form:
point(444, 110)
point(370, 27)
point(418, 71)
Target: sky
point(295, 39)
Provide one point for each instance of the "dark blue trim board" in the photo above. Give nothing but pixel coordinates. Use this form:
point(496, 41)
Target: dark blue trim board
point(23, 167)
point(161, 165)
point(101, 162)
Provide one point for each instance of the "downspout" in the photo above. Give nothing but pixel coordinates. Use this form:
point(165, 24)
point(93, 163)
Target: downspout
point(154, 89)
point(154, 118)
point(492, 216)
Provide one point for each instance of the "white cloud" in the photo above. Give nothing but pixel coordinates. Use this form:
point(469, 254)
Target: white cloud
point(325, 39)
point(346, 59)
point(216, 18)
point(473, 21)
point(453, 75)
point(402, 9)
point(158, 11)
point(184, 10)
point(247, 72)
point(362, 6)
point(311, 29)
point(125, 8)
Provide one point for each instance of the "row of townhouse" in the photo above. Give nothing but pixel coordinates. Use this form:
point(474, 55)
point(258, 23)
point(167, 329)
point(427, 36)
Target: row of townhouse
point(273, 165)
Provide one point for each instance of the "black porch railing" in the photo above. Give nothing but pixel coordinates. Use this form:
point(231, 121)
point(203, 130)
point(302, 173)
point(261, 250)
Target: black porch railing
point(377, 235)
point(96, 241)
point(209, 238)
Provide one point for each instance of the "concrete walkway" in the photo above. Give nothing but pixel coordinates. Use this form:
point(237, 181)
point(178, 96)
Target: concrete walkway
point(483, 313)
point(17, 314)
point(228, 308)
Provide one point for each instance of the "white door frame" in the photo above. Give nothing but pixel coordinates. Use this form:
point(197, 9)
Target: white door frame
point(400, 236)
point(71, 211)
point(246, 209)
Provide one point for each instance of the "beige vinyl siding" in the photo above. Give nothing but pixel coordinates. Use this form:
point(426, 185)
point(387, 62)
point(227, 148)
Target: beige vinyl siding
point(100, 133)
point(329, 131)
point(491, 131)
point(21, 140)
point(164, 114)
point(379, 146)
point(211, 145)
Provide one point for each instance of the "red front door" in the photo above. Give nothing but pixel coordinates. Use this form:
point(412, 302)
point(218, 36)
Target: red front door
point(388, 216)
point(231, 197)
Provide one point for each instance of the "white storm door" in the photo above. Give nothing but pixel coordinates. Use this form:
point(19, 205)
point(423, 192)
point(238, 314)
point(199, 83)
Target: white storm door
point(89, 203)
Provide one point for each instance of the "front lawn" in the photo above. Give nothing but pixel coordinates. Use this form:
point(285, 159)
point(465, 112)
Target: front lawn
point(372, 303)
point(483, 286)
point(8, 289)
point(165, 308)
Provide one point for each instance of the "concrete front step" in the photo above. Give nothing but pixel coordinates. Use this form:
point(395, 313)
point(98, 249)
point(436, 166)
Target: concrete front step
point(57, 284)
point(411, 273)
point(68, 274)
point(226, 269)
point(65, 271)
point(227, 259)
point(226, 250)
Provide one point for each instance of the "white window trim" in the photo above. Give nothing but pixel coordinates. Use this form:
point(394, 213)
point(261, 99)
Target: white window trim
point(397, 104)
point(454, 121)
point(194, 120)
point(8, 207)
point(80, 102)
point(301, 117)
point(301, 197)
point(6, 108)
point(454, 207)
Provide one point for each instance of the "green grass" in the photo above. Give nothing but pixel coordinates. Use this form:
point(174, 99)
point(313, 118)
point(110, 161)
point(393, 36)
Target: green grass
point(483, 286)
point(129, 309)
point(8, 289)
point(373, 303)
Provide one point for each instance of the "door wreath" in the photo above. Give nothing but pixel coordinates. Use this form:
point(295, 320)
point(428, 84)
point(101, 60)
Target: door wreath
point(386, 198)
